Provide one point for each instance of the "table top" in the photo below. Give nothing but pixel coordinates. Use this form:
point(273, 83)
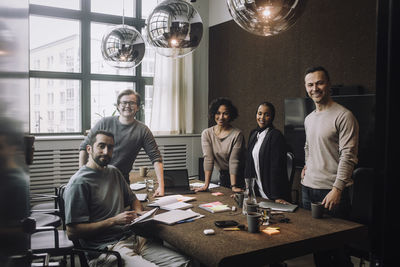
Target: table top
point(302, 235)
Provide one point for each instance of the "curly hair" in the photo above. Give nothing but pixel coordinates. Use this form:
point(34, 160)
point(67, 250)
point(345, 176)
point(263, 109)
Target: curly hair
point(222, 101)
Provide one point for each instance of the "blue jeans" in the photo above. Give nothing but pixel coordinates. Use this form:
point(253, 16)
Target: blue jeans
point(336, 257)
point(317, 195)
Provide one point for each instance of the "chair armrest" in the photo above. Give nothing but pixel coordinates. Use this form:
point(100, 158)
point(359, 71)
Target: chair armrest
point(102, 251)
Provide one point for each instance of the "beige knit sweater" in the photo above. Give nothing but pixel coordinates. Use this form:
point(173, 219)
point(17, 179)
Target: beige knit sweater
point(331, 148)
point(225, 152)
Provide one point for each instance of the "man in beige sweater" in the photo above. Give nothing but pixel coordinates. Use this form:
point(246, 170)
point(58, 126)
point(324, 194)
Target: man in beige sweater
point(330, 152)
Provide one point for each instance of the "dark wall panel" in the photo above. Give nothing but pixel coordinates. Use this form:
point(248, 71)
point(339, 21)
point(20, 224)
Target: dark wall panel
point(340, 35)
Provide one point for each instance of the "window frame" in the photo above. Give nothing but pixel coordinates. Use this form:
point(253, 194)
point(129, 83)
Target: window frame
point(85, 17)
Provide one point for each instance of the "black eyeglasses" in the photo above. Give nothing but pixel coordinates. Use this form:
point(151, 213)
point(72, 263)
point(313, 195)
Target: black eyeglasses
point(130, 103)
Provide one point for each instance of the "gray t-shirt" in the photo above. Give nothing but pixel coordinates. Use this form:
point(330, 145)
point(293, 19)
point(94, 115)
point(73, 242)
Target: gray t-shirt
point(92, 196)
point(129, 139)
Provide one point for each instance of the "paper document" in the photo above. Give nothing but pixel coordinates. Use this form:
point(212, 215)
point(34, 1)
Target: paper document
point(210, 186)
point(141, 197)
point(177, 205)
point(145, 217)
point(137, 186)
point(172, 202)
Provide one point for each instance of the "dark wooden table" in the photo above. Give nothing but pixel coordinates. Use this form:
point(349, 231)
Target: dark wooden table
point(301, 236)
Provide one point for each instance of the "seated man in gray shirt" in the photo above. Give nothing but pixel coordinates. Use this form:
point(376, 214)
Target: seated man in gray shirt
point(130, 136)
point(95, 200)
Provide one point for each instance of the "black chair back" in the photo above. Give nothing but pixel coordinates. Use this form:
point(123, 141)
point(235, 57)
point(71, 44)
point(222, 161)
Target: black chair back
point(290, 167)
point(361, 195)
point(361, 201)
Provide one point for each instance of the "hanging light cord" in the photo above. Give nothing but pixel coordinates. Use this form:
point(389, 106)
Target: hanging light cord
point(123, 12)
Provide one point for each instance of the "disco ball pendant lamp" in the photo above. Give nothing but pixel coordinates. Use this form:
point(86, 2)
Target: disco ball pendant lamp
point(123, 46)
point(174, 28)
point(265, 17)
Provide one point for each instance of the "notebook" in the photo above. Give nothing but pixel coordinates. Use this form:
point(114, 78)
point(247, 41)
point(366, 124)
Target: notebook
point(174, 216)
point(214, 207)
point(278, 206)
point(172, 202)
point(176, 182)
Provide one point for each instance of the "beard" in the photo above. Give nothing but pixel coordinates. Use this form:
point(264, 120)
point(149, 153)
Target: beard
point(102, 160)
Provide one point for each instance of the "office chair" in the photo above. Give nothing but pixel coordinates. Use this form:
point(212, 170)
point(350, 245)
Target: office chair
point(25, 257)
point(361, 201)
point(50, 206)
point(49, 239)
point(44, 219)
point(78, 249)
point(46, 213)
point(290, 172)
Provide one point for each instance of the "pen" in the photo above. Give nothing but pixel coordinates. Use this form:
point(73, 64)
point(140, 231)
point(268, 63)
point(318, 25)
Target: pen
point(237, 228)
point(183, 221)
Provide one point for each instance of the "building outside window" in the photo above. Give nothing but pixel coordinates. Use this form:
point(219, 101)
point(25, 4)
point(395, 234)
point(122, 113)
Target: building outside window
point(67, 71)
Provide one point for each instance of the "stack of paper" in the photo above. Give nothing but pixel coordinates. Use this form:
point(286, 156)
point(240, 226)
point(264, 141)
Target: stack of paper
point(173, 202)
point(214, 207)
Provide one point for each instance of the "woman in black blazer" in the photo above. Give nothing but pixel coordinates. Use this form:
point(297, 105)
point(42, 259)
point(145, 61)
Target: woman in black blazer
point(266, 157)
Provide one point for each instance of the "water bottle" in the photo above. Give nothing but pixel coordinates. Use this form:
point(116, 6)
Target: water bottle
point(249, 194)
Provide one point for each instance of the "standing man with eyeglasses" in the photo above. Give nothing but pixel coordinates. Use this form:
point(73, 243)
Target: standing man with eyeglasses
point(130, 136)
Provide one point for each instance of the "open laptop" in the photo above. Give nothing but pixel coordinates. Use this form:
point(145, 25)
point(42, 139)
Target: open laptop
point(177, 182)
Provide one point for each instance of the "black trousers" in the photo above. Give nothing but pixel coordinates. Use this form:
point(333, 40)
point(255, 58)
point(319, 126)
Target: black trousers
point(224, 179)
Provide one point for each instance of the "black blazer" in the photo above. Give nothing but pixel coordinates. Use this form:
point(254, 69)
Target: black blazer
point(272, 163)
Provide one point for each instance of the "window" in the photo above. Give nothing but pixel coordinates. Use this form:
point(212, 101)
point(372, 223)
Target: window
point(50, 116)
point(50, 98)
point(62, 98)
point(71, 87)
point(62, 116)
